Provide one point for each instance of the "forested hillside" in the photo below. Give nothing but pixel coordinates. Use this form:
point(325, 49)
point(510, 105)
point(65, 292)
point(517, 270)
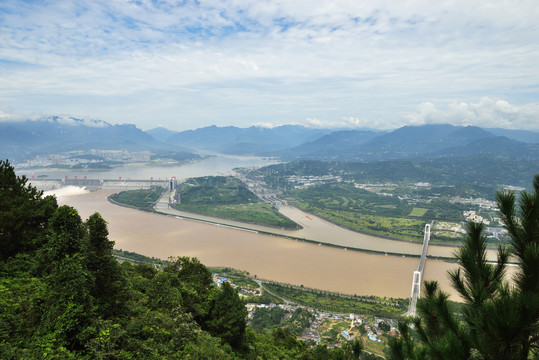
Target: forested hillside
point(64, 296)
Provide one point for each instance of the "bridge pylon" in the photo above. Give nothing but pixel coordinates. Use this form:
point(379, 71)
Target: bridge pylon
point(418, 274)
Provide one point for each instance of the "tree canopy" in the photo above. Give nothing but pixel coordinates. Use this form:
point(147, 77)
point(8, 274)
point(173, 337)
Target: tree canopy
point(64, 296)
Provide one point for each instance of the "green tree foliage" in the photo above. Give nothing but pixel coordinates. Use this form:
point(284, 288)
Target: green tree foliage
point(109, 287)
point(64, 296)
point(197, 287)
point(354, 349)
point(24, 213)
point(265, 318)
point(228, 316)
point(500, 320)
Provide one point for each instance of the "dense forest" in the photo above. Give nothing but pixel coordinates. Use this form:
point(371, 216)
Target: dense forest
point(478, 175)
point(63, 295)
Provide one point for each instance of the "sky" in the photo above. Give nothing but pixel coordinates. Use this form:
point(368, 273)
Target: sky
point(332, 64)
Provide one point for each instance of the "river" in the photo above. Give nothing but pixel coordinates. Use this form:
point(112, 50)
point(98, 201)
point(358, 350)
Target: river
point(269, 257)
point(215, 165)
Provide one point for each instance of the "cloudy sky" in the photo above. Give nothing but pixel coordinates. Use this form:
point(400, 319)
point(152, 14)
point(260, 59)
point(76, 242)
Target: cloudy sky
point(356, 63)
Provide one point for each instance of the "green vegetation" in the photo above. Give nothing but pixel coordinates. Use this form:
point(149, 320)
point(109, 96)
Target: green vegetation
point(63, 295)
point(259, 213)
point(265, 319)
point(142, 199)
point(395, 198)
point(227, 197)
point(497, 320)
point(477, 176)
point(135, 258)
point(321, 300)
point(215, 190)
point(419, 212)
point(360, 210)
point(236, 277)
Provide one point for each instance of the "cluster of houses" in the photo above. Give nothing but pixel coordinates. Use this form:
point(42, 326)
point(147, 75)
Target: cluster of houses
point(93, 156)
point(471, 215)
point(311, 333)
point(372, 328)
point(302, 182)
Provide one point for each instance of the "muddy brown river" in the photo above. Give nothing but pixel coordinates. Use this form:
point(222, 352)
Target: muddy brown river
point(269, 257)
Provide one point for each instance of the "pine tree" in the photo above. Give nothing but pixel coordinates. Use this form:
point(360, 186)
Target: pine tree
point(500, 320)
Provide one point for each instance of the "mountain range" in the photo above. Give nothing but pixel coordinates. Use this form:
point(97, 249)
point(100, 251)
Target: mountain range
point(57, 134)
point(20, 140)
point(293, 142)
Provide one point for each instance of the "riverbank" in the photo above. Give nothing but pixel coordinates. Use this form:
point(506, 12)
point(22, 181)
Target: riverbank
point(272, 258)
point(297, 227)
point(382, 236)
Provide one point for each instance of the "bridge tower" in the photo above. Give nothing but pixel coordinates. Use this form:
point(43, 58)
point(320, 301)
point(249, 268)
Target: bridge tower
point(418, 274)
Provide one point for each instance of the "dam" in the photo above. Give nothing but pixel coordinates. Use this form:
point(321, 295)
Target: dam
point(97, 184)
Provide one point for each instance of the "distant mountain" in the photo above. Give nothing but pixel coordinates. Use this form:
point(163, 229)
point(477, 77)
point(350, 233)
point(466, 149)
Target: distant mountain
point(296, 142)
point(499, 146)
point(160, 133)
point(330, 145)
point(56, 134)
point(415, 141)
point(526, 136)
point(246, 141)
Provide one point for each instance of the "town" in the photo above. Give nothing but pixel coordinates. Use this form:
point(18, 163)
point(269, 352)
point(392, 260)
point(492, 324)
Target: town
point(318, 326)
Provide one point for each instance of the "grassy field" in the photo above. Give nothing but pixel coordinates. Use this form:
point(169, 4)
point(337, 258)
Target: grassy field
point(227, 197)
point(362, 210)
point(142, 199)
point(258, 213)
point(330, 333)
point(401, 228)
point(418, 212)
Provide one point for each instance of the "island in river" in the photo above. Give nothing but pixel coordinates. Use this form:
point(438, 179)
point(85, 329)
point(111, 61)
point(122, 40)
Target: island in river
point(268, 257)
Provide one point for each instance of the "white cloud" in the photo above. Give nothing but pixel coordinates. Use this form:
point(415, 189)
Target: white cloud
point(3, 115)
point(486, 113)
point(72, 121)
point(239, 61)
point(348, 123)
point(265, 125)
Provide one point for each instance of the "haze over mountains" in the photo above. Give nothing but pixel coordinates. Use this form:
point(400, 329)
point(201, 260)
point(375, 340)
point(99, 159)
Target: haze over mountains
point(291, 142)
point(56, 134)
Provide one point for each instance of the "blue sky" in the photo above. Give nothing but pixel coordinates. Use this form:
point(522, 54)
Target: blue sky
point(188, 64)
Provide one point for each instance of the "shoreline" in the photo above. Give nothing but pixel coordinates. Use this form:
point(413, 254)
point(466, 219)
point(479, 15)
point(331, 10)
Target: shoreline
point(314, 242)
point(298, 227)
